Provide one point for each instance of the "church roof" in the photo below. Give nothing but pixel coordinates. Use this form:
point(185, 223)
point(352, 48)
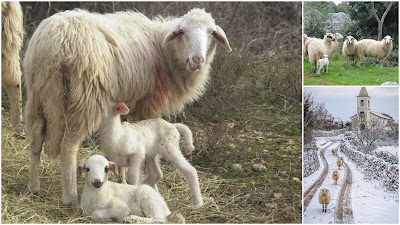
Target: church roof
point(363, 92)
point(383, 116)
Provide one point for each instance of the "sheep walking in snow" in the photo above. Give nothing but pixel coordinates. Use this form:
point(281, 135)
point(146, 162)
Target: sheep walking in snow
point(335, 176)
point(342, 159)
point(129, 145)
point(323, 65)
point(11, 41)
point(78, 63)
point(108, 200)
point(324, 198)
point(339, 163)
point(373, 49)
point(318, 48)
point(349, 49)
point(333, 151)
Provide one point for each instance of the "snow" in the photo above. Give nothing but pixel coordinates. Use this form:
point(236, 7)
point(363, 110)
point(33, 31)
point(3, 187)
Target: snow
point(394, 150)
point(371, 203)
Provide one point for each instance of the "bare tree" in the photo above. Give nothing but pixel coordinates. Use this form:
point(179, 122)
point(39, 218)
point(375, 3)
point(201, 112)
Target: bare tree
point(380, 21)
point(367, 135)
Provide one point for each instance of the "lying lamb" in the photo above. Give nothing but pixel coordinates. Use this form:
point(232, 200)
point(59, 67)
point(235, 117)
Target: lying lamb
point(108, 200)
point(323, 64)
point(129, 145)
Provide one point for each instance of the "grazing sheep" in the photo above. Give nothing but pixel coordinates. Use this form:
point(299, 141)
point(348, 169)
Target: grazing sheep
point(129, 145)
point(339, 163)
point(333, 151)
point(78, 63)
point(323, 64)
point(373, 49)
point(11, 41)
point(335, 176)
point(318, 48)
point(108, 200)
point(349, 49)
point(324, 198)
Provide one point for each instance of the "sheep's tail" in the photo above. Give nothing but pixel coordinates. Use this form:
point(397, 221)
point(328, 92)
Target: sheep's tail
point(187, 136)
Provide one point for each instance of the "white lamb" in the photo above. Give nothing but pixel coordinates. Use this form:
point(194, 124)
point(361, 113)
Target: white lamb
point(318, 48)
point(78, 63)
point(323, 64)
point(108, 200)
point(373, 49)
point(129, 145)
point(349, 48)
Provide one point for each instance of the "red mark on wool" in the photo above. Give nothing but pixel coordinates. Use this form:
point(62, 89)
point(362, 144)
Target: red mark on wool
point(158, 98)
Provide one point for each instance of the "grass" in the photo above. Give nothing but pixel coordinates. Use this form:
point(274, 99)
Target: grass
point(342, 73)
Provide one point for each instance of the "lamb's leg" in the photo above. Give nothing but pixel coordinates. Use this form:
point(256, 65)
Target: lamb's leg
point(318, 72)
point(69, 150)
point(14, 94)
point(175, 156)
point(135, 165)
point(326, 70)
point(153, 172)
point(119, 211)
point(37, 139)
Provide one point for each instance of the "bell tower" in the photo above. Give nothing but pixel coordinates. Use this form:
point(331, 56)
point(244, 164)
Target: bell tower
point(363, 109)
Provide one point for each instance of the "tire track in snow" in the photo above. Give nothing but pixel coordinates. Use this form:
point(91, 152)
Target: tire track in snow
point(343, 210)
point(310, 192)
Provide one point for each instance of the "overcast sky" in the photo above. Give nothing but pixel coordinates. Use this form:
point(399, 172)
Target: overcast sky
point(341, 102)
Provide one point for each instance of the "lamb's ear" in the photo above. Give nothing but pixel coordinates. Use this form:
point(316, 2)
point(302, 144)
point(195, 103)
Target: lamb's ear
point(81, 167)
point(121, 108)
point(220, 36)
point(112, 167)
point(172, 34)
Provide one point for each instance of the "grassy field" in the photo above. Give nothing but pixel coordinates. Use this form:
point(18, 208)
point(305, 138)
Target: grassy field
point(341, 72)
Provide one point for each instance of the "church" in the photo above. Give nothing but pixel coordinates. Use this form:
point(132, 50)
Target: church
point(365, 118)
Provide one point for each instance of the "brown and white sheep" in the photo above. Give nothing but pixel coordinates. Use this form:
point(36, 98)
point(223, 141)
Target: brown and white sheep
point(373, 49)
point(349, 49)
point(77, 63)
point(318, 48)
point(333, 151)
point(324, 198)
point(335, 176)
point(11, 41)
point(339, 163)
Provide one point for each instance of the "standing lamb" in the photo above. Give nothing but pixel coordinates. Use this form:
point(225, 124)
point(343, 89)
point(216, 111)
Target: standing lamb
point(373, 49)
point(349, 49)
point(77, 63)
point(11, 41)
point(323, 65)
point(339, 163)
point(324, 198)
point(335, 176)
point(318, 48)
point(108, 200)
point(129, 145)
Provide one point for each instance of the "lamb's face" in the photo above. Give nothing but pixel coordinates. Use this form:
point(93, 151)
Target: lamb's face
point(195, 37)
point(96, 169)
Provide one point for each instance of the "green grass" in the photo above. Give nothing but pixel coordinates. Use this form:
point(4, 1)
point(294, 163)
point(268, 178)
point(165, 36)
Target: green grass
point(342, 73)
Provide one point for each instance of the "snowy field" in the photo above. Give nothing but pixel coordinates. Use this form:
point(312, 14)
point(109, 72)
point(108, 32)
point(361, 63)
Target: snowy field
point(394, 150)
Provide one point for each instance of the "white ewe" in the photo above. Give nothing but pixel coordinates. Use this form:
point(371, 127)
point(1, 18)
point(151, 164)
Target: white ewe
point(318, 48)
point(373, 49)
point(349, 49)
point(11, 41)
point(128, 145)
point(77, 63)
point(108, 200)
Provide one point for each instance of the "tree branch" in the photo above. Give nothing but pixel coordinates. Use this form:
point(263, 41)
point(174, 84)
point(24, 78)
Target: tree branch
point(374, 12)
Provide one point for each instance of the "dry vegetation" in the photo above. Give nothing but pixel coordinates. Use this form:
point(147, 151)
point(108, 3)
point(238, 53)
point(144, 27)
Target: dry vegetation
point(256, 88)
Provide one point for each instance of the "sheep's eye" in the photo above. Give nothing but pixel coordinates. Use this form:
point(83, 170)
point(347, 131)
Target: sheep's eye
point(214, 33)
point(181, 32)
point(106, 169)
point(87, 169)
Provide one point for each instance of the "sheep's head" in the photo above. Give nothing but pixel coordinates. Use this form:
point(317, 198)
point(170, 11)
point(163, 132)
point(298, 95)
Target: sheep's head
point(195, 37)
point(324, 191)
point(329, 37)
point(324, 56)
point(350, 40)
point(335, 172)
point(387, 39)
point(96, 169)
point(338, 36)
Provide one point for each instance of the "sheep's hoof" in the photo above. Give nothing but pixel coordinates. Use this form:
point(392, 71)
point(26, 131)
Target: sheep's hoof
point(176, 218)
point(36, 196)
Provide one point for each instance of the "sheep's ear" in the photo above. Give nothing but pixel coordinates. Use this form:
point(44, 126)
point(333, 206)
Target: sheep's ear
point(112, 167)
point(121, 108)
point(81, 167)
point(220, 36)
point(172, 34)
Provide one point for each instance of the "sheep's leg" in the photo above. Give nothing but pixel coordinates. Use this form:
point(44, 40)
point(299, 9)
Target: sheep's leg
point(135, 165)
point(318, 72)
point(37, 139)
point(153, 172)
point(119, 210)
point(14, 94)
point(326, 70)
point(69, 150)
point(175, 156)
point(122, 174)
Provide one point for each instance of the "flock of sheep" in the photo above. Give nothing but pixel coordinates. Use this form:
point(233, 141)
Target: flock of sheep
point(320, 50)
point(324, 194)
point(82, 71)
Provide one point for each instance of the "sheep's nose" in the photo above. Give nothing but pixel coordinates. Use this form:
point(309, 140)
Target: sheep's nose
point(199, 60)
point(97, 183)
